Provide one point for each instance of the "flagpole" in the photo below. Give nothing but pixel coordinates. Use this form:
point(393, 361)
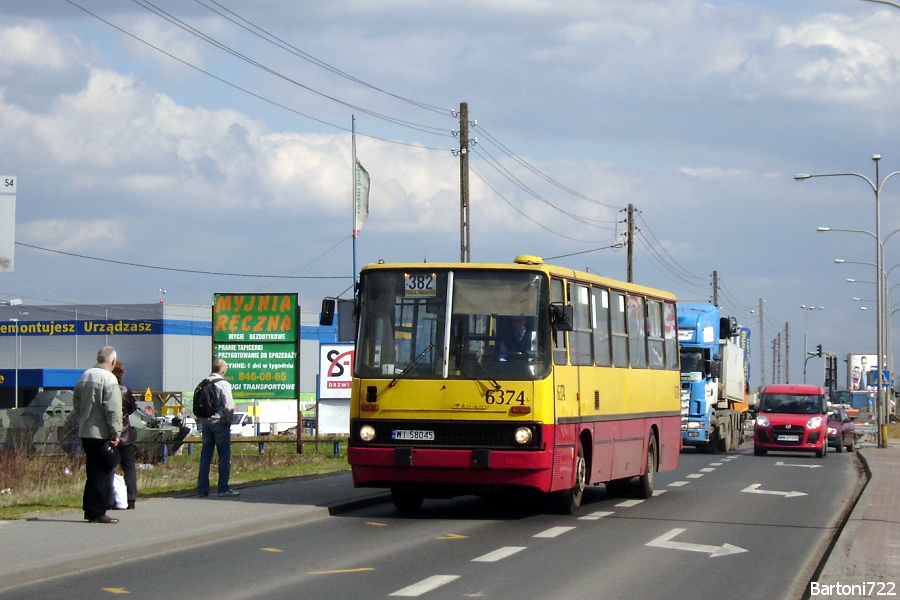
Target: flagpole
point(353, 193)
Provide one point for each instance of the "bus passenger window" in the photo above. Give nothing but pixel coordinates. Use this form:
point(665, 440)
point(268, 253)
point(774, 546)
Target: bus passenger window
point(637, 333)
point(670, 331)
point(580, 336)
point(655, 342)
point(619, 333)
point(600, 323)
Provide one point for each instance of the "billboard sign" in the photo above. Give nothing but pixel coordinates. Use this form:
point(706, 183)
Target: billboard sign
point(256, 318)
point(335, 370)
point(258, 336)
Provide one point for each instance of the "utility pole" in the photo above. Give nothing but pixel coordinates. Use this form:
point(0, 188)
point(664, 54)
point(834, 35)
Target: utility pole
point(630, 244)
point(464, 248)
point(787, 353)
point(762, 348)
point(715, 285)
point(776, 359)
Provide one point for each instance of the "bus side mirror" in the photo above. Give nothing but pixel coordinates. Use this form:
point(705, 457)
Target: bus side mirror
point(327, 315)
point(715, 369)
point(561, 317)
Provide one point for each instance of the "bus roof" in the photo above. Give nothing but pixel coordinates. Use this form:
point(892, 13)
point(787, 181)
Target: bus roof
point(530, 263)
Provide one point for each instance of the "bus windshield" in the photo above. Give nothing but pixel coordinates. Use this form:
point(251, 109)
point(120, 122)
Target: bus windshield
point(463, 324)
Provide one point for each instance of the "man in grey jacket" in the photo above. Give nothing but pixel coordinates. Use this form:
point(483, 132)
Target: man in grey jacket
point(98, 404)
point(216, 431)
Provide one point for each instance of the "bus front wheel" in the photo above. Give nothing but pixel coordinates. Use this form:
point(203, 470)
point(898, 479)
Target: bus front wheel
point(568, 501)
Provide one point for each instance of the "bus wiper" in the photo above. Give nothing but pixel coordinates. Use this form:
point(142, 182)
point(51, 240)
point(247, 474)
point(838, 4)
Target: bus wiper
point(497, 385)
point(410, 366)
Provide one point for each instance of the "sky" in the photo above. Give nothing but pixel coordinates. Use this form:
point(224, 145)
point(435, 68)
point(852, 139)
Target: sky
point(204, 146)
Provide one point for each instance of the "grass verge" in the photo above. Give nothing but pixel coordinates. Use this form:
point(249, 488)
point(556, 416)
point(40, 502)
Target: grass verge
point(33, 483)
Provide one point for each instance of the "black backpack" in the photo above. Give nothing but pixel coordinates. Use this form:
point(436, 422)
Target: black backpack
point(206, 399)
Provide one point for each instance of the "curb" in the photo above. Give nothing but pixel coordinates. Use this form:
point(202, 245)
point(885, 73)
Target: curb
point(836, 560)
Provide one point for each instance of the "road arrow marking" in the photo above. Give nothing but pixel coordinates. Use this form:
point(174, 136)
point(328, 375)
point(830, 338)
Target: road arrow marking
point(784, 464)
point(752, 489)
point(664, 541)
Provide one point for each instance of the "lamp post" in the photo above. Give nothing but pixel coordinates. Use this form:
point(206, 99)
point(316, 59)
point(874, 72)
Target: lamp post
point(876, 186)
point(806, 311)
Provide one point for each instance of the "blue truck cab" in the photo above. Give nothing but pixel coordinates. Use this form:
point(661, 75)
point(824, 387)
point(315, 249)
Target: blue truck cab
point(713, 382)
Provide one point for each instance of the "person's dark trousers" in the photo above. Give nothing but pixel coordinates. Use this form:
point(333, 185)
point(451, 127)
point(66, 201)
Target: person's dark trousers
point(99, 476)
point(126, 460)
point(216, 438)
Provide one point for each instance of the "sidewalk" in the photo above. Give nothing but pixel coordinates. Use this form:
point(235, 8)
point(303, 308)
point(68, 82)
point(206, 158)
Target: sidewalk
point(867, 550)
point(64, 543)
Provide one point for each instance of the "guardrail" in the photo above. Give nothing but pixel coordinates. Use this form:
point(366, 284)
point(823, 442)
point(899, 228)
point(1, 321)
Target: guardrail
point(262, 440)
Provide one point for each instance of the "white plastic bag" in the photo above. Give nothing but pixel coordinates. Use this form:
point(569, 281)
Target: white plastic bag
point(118, 494)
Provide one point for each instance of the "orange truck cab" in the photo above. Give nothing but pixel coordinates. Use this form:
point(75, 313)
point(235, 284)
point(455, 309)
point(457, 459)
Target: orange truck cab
point(791, 418)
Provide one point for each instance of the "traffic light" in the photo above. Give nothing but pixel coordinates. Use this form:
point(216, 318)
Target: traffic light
point(819, 350)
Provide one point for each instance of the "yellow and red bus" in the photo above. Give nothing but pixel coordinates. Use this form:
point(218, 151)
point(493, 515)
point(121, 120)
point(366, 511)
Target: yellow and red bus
point(473, 378)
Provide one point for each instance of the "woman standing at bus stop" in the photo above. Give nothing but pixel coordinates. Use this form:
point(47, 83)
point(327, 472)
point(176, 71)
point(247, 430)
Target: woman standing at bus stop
point(126, 440)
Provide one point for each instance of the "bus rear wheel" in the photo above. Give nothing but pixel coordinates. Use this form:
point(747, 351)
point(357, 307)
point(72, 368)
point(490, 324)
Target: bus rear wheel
point(568, 501)
point(643, 485)
point(407, 499)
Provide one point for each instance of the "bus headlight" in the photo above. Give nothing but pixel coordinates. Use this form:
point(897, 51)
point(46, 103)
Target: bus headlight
point(523, 435)
point(367, 433)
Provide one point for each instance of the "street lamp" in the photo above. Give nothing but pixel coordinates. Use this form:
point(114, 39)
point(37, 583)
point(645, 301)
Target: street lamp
point(876, 186)
point(806, 310)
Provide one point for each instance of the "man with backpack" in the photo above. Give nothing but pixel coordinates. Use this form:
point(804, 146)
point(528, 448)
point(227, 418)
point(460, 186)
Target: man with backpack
point(214, 408)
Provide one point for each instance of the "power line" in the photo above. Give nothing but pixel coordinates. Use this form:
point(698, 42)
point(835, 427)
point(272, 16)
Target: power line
point(273, 39)
point(245, 90)
point(539, 224)
point(147, 5)
point(157, 268)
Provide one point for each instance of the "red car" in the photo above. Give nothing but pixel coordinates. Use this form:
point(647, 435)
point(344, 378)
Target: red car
point(841, 431)
point(791, 418)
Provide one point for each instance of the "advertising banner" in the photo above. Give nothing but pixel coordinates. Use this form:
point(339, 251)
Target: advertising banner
point(258, 336)
point(255, 318)
point(335, 370)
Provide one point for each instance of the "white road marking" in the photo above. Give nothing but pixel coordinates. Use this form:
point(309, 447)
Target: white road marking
point(678, 483)
point(695, 476)
point(629, 503)
point(718, 464)
point(659, 492)
point(553, 532)
point(784, 464)
point(426, 585)
point(499, 554)
point(707, 469)
point(665, 541)
point(596, 515)
point(753, 489)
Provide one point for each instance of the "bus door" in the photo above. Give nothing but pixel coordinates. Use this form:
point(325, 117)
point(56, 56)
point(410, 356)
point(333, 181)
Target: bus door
point(566, 409)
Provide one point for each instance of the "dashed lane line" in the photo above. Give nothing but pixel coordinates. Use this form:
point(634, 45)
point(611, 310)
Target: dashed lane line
point(553, 532)
point(499, 554)
point(426, 585)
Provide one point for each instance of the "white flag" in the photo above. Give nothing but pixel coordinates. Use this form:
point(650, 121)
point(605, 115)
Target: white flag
point(361, 192)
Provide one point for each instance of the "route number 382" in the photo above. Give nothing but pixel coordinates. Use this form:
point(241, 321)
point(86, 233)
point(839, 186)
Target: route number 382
point(504, 397)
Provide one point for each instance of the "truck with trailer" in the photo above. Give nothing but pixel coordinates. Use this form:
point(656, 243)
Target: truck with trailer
point(714, 390)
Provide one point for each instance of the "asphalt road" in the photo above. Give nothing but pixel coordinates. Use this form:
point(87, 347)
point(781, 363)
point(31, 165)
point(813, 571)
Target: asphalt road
point(721, 526)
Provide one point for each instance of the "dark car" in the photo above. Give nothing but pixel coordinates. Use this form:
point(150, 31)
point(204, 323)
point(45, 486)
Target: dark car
point(841, 431)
